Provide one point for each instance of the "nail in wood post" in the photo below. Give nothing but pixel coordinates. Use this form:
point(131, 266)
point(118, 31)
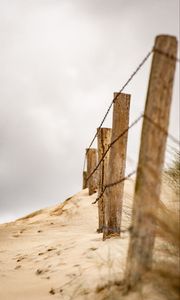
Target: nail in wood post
point(84, 180)
point(104, 139)
point(113, 196)
point(91, 164)
point(151, 159)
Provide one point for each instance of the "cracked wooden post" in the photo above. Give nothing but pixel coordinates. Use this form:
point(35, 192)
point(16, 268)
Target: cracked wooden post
point(104, 139)
point(151, 159)
point(92, 182)
point(113, 196)
point(84, 180)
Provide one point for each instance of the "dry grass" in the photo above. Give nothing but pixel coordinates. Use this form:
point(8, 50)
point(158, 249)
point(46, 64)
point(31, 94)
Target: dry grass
point(163, 281)
point(60, 208)
point(31, 215)
point(173, 174)
point(165, 274)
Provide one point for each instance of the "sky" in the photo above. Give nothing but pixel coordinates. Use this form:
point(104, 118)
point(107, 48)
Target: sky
point(60, 63)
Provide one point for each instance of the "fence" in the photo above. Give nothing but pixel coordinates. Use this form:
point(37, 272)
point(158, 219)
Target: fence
point(108, 173)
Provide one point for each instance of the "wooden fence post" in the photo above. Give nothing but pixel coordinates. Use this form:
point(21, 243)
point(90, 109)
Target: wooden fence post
point(116, 168)
point(84, 180)
point(151, 159)
point(92, 182)
point(104, 139)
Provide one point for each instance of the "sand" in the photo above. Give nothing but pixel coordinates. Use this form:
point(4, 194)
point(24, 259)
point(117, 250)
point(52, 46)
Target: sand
point(56, 253)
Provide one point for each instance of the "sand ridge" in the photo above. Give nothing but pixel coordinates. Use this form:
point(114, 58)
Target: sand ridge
point(56, 252)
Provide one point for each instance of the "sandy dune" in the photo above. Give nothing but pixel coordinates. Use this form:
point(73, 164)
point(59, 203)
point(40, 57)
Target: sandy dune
point(56, 253)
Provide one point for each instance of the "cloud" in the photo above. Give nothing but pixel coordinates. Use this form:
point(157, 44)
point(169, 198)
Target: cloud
point(60, 62)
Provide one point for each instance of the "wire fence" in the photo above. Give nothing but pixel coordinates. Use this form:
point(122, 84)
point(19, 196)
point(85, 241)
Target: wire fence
point(170, 136)
point(171, 57)
point(141, 116)
point(112, 143)
point(114, 99)
point(114, 183)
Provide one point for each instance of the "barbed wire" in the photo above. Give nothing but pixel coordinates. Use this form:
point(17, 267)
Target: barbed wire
point(172, 57)
point(112, 184)
point(169, 135)
point(154, 49)
point(118, 182)
point(129, 127)
point(124, 132)
point(114, 99)
point(112, 143)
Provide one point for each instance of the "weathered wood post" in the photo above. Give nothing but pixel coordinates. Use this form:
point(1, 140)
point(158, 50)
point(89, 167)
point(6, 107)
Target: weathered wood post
point(113, 196)
point(92, 182)
point(151, 159)
point(104, 139)
point(84, 180)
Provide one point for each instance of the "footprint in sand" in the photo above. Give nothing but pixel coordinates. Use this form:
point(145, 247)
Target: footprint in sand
point(71, 275)
point(52, 291)
point(87, 254)
point(51, 249)
point(21, 257)
point(48, 250)
point(41, 253)
point(55, 291)
point(17, 267)
point(41, 271)
point(93, 249)
point(48, 277)
point(16, 235)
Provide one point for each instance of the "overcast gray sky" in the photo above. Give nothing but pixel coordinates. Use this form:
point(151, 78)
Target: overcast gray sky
point(60, 62)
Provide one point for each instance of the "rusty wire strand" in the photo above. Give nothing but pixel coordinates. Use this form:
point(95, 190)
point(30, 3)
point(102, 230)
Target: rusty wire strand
point(169, 135)
point(172, 57)
point(154, 49)
point(114, 99)
point(112, 184)
point(124, 132)
point(118, 182)
point(112, 143)
point(123, 87)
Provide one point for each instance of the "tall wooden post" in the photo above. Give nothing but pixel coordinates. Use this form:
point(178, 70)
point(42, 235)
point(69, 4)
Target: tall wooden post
point(113, 196)
point(84, 180)
point(104, 139)
point(151, 159)
point(92, 182)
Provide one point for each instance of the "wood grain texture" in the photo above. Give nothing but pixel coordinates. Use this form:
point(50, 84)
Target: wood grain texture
point(113, 196)
point(151, 160)
point(84, 180)
point(92, 182)
point(104, 139)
